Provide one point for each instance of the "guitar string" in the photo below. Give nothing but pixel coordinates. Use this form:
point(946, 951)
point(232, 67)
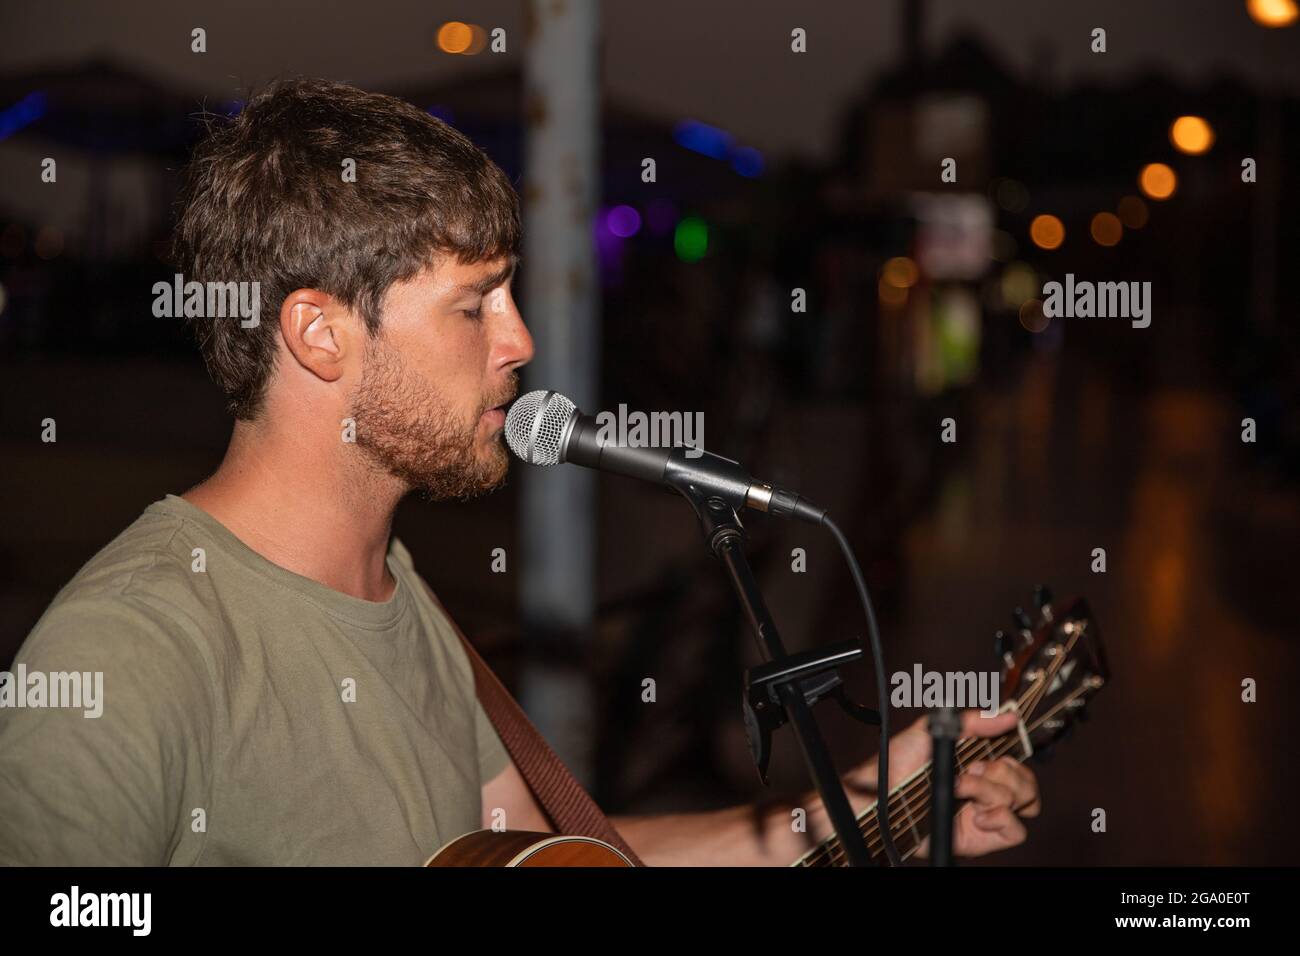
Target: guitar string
point(921, 781)
point(921, 785)
point(911, 809)
point(901, 808)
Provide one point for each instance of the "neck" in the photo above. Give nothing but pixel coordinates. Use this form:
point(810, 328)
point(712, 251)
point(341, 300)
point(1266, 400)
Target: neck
point(301, 502)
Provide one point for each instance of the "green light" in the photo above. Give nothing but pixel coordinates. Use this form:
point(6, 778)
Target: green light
point(691, 239)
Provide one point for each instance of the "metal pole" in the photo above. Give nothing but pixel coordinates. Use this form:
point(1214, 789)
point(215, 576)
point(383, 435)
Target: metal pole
point(561, 302)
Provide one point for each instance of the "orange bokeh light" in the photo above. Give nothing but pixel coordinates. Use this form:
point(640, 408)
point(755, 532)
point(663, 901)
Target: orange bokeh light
point(1158, 181)
point(1106, 229)
point(1191, 134)
point(455, 37)
point(1047, 232)
point(900, 272)
point(1273, 13)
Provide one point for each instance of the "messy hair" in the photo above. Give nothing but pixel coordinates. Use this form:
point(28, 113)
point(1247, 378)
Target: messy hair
point(266, 200)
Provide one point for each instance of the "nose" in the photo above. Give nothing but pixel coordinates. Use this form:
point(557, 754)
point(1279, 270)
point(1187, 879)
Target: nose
point(515, 346)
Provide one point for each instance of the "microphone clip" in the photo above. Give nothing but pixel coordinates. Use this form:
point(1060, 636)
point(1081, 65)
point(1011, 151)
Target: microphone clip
point(815, 675)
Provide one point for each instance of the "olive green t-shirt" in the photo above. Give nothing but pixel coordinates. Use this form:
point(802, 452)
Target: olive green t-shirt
point(250, 716)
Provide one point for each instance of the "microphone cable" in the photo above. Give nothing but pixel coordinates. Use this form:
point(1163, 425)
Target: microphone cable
point(882, 692)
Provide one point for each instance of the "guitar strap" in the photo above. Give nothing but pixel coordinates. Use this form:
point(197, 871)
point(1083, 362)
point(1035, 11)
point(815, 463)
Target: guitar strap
point(568, 806)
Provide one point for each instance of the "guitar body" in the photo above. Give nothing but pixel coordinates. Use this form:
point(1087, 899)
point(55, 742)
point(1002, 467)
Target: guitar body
point(524, 848)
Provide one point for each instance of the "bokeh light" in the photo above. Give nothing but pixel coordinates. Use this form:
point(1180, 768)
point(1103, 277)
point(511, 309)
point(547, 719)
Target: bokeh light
point(1047, 232)
point(1019, 284)
point(1191, 135)
point(891, 295)
point(1032, 317)
point(747, 161)
point(1132, 212)
point(1273, 13)
point(691, 239)
point(900, 272)
point(455, 37)
point(623, 221)
point(1106, 229)
point(1158, 181)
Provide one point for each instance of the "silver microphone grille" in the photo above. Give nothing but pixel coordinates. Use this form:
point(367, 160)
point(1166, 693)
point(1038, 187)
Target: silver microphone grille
point(536, 425)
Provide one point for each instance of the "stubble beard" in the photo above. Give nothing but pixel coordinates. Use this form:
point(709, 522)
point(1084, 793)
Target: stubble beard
point(408, 430)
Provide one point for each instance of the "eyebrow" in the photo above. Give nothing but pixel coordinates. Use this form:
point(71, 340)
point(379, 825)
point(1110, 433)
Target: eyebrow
point(489, 282)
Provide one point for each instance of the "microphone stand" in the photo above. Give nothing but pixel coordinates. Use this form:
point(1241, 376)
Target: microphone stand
point(786, 686)
point(945, 726)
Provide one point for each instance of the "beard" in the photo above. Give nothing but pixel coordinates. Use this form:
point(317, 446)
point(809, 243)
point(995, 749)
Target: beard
point(410, 431)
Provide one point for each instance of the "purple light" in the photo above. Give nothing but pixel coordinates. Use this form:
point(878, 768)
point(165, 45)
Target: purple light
point(623, 221)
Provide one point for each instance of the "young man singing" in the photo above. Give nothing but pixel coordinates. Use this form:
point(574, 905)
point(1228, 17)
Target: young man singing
point(278, 688)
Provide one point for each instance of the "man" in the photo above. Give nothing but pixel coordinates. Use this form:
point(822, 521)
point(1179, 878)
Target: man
point(277, 688)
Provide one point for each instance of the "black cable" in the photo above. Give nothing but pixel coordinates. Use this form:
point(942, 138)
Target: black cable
point(882, 693)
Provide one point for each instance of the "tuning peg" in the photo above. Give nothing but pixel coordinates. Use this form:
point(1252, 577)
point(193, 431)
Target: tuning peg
point(1003, 644)
point(1022, 619)
point(1042, 596)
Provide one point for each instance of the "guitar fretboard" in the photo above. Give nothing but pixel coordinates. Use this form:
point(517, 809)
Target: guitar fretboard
point(910, 801)
point(909, 806)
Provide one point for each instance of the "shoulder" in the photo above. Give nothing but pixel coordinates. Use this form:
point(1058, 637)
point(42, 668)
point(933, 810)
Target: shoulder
point(136, 598)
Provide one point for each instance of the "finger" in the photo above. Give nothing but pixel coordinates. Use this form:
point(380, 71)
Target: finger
point(1020, 780)
point(975, 724)
point(986, 794)
point(1001, 822)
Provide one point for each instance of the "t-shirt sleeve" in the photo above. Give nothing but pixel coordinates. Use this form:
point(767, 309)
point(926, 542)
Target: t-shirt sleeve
point(116, 779)
point(492, 754)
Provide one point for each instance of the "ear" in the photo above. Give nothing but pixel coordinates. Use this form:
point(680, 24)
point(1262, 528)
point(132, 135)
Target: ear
point(318, 333)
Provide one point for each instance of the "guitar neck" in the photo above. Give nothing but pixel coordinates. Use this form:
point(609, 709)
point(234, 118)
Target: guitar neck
point(909, 806)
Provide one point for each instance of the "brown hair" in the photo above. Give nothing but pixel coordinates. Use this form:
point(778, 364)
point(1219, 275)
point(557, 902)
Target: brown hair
point(266, 201)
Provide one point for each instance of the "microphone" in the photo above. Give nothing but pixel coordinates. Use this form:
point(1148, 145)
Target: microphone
point(546, 428)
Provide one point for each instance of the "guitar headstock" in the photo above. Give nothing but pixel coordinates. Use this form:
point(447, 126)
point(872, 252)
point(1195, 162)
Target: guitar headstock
point(1052, 665)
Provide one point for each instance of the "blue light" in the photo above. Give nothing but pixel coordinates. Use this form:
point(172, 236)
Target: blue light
point(702, 138)
point(26, 111)
point(718, 144)
point(747, 161)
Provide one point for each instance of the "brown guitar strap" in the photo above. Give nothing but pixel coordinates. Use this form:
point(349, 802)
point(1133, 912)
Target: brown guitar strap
point(569, 807)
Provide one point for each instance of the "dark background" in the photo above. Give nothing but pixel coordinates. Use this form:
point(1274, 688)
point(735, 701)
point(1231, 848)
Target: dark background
point(1072, 435)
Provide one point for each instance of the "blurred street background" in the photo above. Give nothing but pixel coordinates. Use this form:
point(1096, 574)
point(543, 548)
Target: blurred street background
point(774, 171)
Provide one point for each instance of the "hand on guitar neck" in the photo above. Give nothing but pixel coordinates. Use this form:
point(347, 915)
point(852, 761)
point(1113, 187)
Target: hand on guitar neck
point(998, 790)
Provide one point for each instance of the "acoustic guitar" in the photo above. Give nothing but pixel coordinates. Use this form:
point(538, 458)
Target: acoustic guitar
point(1051, 668)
